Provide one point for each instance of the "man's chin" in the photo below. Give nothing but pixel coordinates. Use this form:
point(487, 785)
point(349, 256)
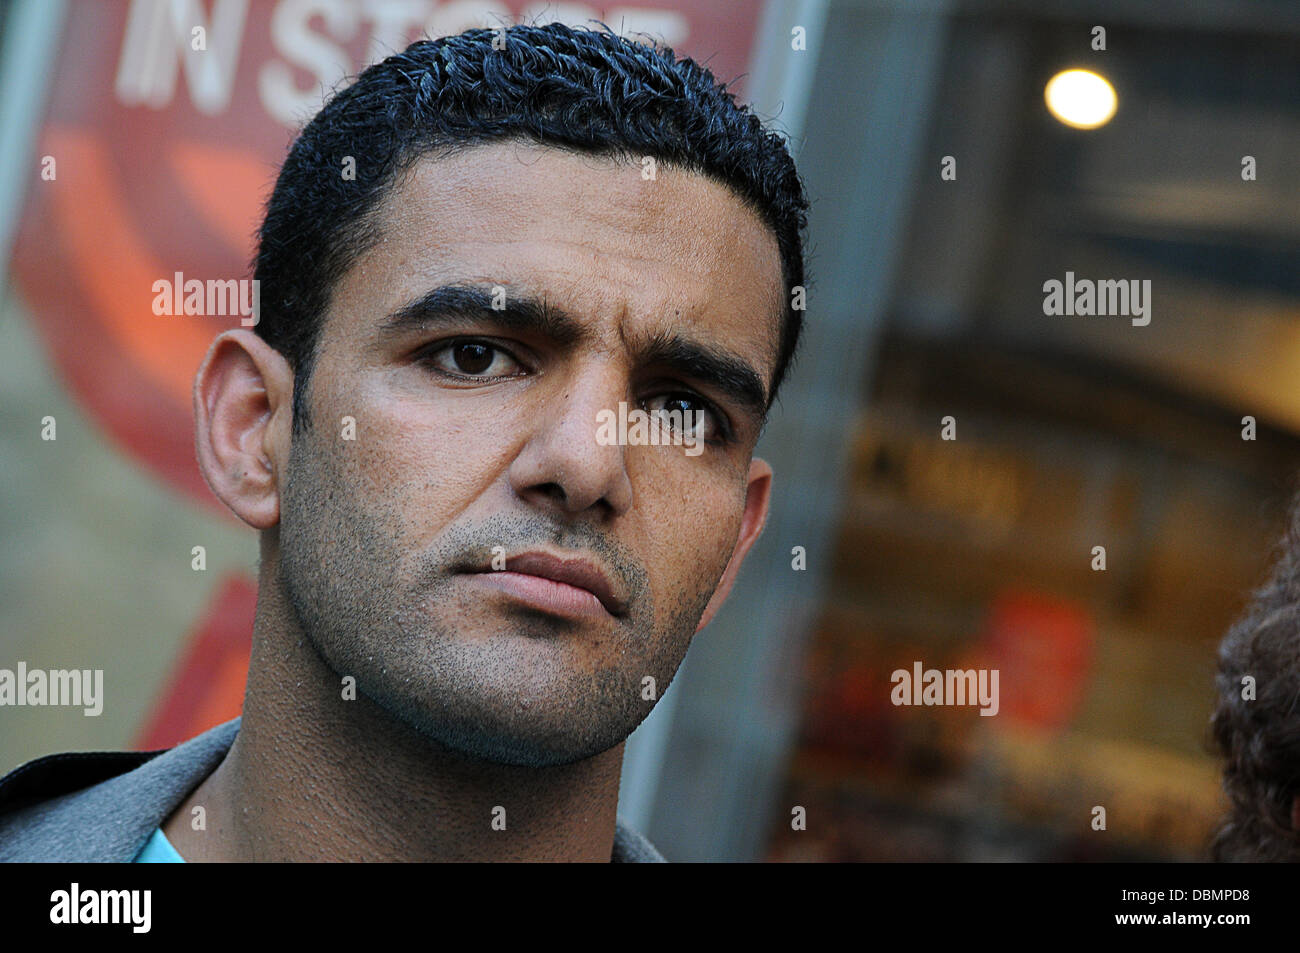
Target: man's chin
point(519, 731)
point(512, 749)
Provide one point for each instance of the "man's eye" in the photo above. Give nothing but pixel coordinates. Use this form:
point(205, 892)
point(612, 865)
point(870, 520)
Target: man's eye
point(473, 359)
point(685, 413)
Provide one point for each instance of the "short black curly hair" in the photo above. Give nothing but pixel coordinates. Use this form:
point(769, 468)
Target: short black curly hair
point(1259, 737)
point(585, 90)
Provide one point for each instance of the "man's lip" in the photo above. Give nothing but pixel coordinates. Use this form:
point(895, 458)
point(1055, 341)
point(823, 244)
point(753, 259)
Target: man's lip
point(574, 571)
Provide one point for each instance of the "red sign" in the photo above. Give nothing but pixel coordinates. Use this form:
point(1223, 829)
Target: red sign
point(1042, 647)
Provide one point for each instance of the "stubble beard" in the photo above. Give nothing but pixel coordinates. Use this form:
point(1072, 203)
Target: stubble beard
point(423, 649)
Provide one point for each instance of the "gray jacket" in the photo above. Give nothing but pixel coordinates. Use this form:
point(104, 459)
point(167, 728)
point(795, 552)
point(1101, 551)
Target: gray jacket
point(102, 806)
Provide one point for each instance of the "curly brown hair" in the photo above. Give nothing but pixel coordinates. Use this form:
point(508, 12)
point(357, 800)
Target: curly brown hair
point(1260, 737)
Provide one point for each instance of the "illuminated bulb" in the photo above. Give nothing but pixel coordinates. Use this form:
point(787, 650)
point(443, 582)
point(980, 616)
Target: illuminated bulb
point(1081, 98)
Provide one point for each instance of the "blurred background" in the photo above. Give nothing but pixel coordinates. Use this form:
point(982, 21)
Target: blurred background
point(946, 191)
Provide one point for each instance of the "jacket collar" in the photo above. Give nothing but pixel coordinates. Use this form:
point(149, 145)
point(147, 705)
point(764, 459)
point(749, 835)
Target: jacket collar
point(102, 806)
point(48, 813)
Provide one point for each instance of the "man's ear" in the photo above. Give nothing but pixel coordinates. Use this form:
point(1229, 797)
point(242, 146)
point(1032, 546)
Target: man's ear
point(757, 497)
point(243, 416)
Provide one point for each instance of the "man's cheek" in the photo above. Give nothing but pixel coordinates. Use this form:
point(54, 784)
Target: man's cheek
point(391, 454)
point(709, 538)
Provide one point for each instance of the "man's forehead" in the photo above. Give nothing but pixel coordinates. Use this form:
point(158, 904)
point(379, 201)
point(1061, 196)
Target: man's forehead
point(591, 233)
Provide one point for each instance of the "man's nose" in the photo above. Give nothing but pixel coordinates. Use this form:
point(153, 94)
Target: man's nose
point(562, 465)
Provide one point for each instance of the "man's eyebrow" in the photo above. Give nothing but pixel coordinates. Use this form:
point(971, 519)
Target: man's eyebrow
point(519, 313)
point(712, 366)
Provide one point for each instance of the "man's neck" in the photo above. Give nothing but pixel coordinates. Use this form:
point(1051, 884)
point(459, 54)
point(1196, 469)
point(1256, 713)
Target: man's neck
point(313, 777)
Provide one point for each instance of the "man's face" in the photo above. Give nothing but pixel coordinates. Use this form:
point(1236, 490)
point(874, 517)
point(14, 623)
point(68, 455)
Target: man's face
point(475, 437)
